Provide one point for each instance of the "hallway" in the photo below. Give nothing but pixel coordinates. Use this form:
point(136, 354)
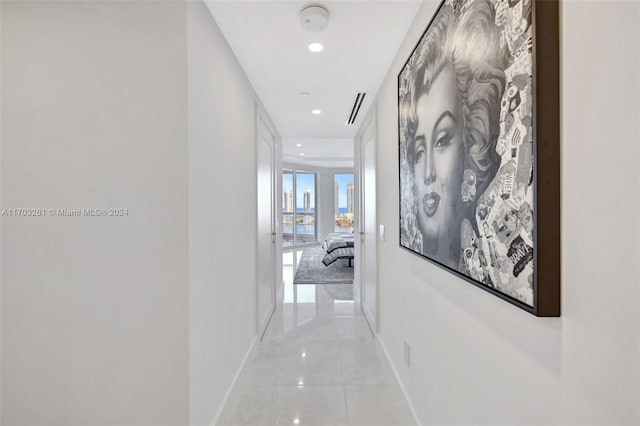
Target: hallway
point(145, 147)
point(318, 364)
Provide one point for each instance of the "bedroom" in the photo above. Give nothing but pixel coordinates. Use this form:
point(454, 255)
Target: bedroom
point(318, 211)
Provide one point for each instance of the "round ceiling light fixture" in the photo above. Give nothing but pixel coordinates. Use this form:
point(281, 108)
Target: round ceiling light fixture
point(314, 18)
point(316, 111)
point(315, 47)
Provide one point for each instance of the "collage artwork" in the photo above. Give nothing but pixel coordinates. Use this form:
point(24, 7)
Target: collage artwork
point(467, 178)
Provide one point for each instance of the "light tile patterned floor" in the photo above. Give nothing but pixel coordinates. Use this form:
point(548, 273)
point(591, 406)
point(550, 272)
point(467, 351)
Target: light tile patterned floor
point(318, 364)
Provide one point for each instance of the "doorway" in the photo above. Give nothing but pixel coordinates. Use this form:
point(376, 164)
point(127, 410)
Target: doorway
point(366, 290)
point(269, 251)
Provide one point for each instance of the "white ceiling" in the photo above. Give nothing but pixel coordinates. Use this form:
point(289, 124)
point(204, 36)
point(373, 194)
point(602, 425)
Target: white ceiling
point(331, 153)
point(360, 43)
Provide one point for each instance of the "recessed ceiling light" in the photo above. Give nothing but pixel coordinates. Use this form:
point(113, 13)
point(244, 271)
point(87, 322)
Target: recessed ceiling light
point(302, 153)
point(315, 47)
point(298, 145)
point(305, 94)
point(316, 111)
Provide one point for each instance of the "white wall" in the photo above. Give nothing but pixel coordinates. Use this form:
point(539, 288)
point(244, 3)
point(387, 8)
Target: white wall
point(475, 358)
point(94, 309)
point(222, 214)
point(0, 216)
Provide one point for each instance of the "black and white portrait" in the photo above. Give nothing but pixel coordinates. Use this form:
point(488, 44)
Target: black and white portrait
point(466, 144)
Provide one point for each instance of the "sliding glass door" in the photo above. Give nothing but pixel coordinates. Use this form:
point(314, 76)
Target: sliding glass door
point(298, 207)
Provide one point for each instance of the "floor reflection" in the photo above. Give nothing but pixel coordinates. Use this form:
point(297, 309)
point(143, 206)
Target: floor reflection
point(327, 299)
point(317, 364)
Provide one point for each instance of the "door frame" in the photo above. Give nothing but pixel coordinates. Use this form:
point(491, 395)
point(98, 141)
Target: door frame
point(369, 124)
point(261, 117)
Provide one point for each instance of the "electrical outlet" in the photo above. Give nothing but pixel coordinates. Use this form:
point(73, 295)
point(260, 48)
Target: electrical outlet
point(407, 353)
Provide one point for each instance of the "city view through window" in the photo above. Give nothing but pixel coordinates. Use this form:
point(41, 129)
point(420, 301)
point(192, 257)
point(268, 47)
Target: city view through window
point(298, 207)
point(343, 201)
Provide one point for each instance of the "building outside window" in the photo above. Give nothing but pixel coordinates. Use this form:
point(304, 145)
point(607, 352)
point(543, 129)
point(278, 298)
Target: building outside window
point(343, 198)
point(298, 207)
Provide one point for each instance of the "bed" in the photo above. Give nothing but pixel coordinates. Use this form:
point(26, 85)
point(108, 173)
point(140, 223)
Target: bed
point(338, 245)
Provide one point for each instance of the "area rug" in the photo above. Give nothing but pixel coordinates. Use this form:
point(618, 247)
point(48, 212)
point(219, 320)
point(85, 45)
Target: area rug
point(311, 270)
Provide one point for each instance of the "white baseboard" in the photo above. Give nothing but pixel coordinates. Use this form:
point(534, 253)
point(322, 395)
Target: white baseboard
point(395, 373)
point(233, 382)
point(356, 292)
point(262, 328)
point(370, 319)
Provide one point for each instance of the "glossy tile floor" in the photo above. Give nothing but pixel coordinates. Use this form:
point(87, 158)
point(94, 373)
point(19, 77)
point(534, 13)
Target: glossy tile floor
point(318, 364)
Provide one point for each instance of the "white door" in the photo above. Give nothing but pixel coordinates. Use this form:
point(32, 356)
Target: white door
point(266, 270)
point(366, 250)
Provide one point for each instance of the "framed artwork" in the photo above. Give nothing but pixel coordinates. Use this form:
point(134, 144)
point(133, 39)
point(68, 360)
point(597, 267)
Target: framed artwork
point(479, 148)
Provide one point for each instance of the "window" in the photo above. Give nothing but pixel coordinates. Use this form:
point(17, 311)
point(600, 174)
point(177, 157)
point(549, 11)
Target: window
point(287, 207)
point(343, 197)
point(305, 207)
point(298, 207)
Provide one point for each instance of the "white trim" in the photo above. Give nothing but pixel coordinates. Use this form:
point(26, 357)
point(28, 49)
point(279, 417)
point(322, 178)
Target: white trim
point(395, 373)
point(367, 131)
point(369, 316)
point(216, 418)
point(318, 169)
point(356, 288)
point(264, 324)
point(263, 118)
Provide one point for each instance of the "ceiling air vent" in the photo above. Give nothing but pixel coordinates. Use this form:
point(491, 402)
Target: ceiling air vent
point(356, 108)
